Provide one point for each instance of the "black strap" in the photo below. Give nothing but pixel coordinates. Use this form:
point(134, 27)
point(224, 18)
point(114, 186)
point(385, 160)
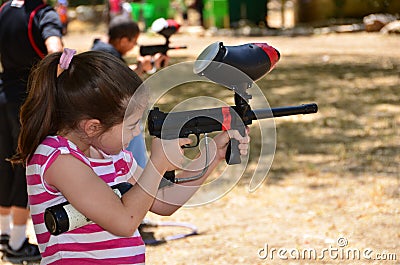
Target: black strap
point(149, 239)
point(30, 34)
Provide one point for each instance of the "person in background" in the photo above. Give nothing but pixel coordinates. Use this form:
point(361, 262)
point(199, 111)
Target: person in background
point(198, 5)
point(181, 7)
point(123, 34)
point(62, 11)
point(114, 9)
point(28, 31)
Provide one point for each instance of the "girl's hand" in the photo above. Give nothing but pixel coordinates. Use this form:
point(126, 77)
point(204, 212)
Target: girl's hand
point(168, 154)
point(222, 140)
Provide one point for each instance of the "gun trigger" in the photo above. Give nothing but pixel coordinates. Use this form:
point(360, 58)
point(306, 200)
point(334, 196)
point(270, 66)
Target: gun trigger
point(193, 145)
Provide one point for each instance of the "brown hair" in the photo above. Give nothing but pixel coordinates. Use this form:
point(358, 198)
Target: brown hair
point(122, 26)
point(95, 86)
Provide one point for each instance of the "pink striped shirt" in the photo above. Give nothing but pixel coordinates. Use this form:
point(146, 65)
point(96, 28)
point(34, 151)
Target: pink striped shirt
point(89, 244)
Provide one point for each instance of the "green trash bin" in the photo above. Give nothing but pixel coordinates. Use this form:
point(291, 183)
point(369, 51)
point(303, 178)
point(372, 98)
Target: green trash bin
point(216, 13)
point(160, 9)
point(136, 11)
point(143, 12)
point(148, 14)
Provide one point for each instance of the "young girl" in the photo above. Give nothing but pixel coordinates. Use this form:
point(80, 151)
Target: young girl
point(72, 140)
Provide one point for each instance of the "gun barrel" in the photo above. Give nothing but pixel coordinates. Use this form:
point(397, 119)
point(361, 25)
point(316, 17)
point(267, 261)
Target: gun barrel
point(285, 111)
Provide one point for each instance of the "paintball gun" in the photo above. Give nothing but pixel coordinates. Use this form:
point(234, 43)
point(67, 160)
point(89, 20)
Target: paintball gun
point(164, 27)
point(254, 60)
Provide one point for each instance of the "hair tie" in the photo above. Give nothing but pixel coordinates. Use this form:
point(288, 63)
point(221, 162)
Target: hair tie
point(65, 60)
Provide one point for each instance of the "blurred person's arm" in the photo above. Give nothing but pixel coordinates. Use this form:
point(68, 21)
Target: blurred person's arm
point(149, 64)
point(54, 44)
point(51, 31)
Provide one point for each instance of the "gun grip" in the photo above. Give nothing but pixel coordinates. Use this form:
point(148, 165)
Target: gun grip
point(232, 156)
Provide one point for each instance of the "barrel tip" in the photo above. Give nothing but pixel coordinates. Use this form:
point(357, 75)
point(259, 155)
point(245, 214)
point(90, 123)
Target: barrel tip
point(315, 107)
point(311, 108)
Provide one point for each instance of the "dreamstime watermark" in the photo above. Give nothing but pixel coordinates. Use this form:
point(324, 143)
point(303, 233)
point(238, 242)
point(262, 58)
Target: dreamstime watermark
point(339, 252)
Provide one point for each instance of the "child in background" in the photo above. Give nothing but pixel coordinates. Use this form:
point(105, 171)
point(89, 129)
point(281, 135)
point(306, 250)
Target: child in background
point(74, 130)
point(114, 8)
point(62, 10)
point(123, 34)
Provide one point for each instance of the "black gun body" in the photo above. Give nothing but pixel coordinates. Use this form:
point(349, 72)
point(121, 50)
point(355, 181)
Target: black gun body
point(182, 124)
point(154, 49)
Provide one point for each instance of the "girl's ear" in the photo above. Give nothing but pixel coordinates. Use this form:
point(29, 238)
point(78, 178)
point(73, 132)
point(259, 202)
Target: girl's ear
point(91, 127)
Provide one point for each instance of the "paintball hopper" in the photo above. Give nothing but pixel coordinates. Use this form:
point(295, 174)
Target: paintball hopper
point(253, 59)
point(165, 27)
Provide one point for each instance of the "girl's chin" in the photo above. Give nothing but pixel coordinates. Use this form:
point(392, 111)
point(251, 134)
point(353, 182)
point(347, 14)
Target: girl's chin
point(113, 152)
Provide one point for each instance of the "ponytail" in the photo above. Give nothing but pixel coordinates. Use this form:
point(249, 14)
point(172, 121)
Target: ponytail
point(37, 115)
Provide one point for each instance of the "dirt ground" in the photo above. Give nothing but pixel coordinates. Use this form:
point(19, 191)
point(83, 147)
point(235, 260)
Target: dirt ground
point(333, 190)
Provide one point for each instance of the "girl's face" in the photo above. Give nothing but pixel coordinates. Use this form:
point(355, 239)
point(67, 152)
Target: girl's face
point(118, 137)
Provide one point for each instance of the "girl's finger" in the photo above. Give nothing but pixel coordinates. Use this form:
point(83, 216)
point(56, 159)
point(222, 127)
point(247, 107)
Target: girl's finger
point(185, 141)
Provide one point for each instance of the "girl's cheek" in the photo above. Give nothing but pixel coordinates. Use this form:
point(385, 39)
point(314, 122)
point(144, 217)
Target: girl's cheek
point(136, 131)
